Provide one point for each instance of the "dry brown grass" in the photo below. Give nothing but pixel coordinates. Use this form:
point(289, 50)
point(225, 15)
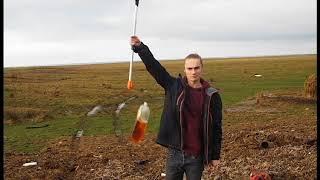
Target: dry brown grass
point(74, 90)
point(310, 86)
point(22, 114)
point(259, 97)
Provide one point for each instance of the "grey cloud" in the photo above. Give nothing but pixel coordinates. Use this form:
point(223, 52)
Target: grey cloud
point(234, 20)
point(205, 20)
point(65, 20)
point(72, 26)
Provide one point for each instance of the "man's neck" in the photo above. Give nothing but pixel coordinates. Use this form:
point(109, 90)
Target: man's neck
point(195, 84)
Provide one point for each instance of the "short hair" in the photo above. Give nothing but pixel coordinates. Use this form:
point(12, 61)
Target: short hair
point(194, 56)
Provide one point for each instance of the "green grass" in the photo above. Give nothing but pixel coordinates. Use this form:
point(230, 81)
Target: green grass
point(67, 93)
point(20, 138)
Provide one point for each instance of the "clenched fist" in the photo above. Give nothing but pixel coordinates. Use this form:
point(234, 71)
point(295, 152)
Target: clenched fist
point(135, 41)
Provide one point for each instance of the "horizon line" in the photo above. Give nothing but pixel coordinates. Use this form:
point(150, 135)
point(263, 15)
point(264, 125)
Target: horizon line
point(126, 61)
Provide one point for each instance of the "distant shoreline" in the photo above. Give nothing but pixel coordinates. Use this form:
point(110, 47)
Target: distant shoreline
point(127, 61)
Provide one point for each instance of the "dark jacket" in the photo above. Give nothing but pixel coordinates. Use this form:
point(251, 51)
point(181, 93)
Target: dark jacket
point(170, 133)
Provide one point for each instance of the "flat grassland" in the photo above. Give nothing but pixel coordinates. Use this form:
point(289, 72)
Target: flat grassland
point(59, 98)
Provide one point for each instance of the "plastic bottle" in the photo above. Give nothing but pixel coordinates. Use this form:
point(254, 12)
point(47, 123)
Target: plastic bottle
point(141, 123)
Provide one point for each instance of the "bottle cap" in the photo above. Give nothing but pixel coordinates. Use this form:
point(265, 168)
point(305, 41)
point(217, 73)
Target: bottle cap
point(145, 103)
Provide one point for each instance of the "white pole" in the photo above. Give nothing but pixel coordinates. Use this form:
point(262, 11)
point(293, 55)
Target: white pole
point(134, 33)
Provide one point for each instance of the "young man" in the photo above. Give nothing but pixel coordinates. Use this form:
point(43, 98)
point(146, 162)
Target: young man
point(190, 124)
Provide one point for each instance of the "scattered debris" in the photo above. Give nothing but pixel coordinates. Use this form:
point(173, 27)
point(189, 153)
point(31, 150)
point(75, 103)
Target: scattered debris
point(95, 110)
point(293, 156)
point(259, 175)
point(99, 156)
point(41, 126)
point(30, 164)
point(79, 133)
point(311, 142)
point(266, 144)
point(142, 162)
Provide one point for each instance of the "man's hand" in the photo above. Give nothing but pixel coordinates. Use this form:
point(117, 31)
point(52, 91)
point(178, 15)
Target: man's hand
point(135, 41)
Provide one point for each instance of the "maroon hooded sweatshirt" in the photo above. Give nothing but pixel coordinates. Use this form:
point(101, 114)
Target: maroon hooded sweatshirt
point(192, 119)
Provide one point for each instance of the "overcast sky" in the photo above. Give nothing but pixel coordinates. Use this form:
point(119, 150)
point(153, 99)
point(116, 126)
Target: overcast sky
point(43, 32)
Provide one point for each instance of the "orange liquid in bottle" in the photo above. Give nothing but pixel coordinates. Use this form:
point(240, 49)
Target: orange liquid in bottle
point(139, 131)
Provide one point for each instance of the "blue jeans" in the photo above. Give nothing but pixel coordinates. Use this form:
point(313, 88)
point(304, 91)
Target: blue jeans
point(178, 163)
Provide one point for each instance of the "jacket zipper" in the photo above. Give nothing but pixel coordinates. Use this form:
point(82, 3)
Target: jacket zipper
point(180, 109)
point(179, 98)
point(208, 117)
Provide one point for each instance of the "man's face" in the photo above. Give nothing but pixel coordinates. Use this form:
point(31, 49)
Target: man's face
point(193, 69)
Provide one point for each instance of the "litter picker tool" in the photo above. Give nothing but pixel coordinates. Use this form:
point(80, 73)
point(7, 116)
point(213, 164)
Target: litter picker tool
point(130, 82)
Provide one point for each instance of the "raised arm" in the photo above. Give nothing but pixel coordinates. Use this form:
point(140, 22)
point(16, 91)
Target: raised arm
point(153, 66)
